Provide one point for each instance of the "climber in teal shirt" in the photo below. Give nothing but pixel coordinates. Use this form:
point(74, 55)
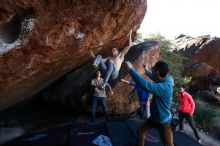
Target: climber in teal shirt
point(162, 90)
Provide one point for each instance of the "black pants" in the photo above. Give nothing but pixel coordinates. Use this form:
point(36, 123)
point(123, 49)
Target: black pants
point(190, 120)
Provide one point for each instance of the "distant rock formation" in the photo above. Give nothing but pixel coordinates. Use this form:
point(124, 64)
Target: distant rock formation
point(202, 55)
point(209, 96)
point(56, 38)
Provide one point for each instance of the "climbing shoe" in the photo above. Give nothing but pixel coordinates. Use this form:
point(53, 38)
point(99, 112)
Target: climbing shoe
point(95, 65)
point(200, 142)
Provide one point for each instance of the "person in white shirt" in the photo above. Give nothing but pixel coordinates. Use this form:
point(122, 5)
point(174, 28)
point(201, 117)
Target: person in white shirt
point(110, 66)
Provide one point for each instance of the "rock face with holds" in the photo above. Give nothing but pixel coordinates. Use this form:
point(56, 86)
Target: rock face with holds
point(54, 38)
point(74, 90)
point(146, 53)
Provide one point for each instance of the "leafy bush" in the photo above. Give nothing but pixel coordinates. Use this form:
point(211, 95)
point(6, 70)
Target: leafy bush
point(174, 60)
point(204, 115)
point(139, 38)
point(216, 126)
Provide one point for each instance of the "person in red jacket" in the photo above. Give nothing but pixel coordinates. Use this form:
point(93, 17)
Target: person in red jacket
point(186, 110)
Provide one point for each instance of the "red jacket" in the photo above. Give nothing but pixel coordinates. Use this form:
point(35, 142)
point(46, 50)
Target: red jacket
point(186, 103)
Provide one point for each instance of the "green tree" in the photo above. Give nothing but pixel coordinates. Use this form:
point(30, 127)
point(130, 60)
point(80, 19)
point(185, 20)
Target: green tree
point(174, 60)
point(139, 38)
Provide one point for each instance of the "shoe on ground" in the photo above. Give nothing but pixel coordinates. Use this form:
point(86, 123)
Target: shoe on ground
point(200, 142)
point(178, 129)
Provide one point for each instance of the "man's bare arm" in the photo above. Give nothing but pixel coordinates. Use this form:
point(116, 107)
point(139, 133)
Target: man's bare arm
point(126, 49)
point(91, 53)
point(106, 59)
point(124, 81)
point(110, 88)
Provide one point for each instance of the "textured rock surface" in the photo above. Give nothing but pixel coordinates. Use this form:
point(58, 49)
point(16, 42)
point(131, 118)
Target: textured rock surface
point(203, 49)
point(57, 38)
point(204, 83)
point(146, 53)
point(199, 70)
point(209, 97)
point(73, 90)
point(203, 56)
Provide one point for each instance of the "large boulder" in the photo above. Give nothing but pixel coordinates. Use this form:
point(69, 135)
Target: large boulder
point(209, 97)
point(146, 53)
point(50, 38)
point(202, 56)
point(199, 70)
point(74, 90)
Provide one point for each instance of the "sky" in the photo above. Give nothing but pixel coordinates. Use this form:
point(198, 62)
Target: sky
point(174, 17)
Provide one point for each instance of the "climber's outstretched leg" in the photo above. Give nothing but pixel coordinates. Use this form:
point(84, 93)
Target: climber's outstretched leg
point(99, 63)
point(106, 69)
